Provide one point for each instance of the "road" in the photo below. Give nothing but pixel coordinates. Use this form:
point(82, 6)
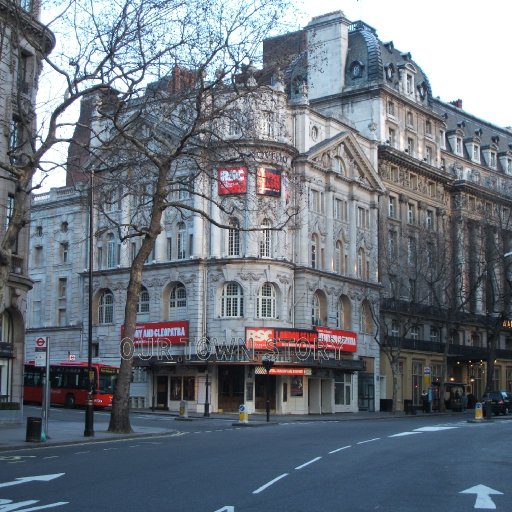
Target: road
point(388, 465)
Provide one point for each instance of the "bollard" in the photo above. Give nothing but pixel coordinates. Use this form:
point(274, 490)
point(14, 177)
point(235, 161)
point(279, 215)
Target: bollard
point(183, 409)
point(478, 411)
point(243, 416)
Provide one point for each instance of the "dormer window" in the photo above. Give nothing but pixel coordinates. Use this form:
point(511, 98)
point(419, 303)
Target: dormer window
point(492, 160)
point(508, 167)
point(409, 83)
point(476, 153)
point(458, 146)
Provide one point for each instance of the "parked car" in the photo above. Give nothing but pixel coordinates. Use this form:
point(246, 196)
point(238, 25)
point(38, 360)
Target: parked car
point(501, 401)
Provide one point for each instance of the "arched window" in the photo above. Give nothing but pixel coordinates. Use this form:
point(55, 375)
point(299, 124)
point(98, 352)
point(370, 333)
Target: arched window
point(266, 307)
point(266, 239)
point(340, 319)
point(106, 308)
point(234, 238)
point(182, 240)
point(365, 321)
point(232, 300)
point(177, 302)
point(315, 310)
point(344, 313)
point(314, 250)
point(143, 302)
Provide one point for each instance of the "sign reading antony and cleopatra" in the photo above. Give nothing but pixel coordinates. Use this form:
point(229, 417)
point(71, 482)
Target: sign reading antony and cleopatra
point(268, 182)
point(160, 333)
point(232, 180)
point(328, 339)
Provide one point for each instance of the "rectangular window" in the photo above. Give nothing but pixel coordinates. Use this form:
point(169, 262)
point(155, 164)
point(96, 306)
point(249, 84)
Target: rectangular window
point(428, 155)
point(268, 124)
point(410, 146)
point(391, 108)
point(493, 159)
point(428, 127)
point(434, 334)
point(409, 84)
point(64, 252)
point(430, 219)
point(169, 248)
point(411, 213)
point(363, 218)
point(392, 137)
point(36, 304)
point(340, 209)
point(392, 209)
point(317, 200)
point(458, 146)
point(392, 245)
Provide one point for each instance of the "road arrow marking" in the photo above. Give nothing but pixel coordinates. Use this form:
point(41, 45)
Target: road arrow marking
point(229, 508)
point(25, 479)
point(483, 496)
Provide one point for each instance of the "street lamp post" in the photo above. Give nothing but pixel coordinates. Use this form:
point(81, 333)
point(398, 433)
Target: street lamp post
point(267, 364)
point(206, 402)
point(89, 407)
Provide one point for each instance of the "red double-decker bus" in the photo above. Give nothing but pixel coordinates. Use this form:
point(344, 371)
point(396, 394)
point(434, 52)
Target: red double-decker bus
point(68, 383)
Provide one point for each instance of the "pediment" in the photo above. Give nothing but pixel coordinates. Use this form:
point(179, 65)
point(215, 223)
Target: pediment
point(343, 155)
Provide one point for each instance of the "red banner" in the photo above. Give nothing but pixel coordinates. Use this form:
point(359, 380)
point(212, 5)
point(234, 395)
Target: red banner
point(335, 339)
point(268, 182)
point(232, 180)
point(160, 333)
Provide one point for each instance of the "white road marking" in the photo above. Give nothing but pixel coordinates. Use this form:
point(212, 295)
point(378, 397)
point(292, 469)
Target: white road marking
point(433, 429)
point(483, 496)
point(308, 463)
point(402, 434)
point(51, 505)
point(51, 457)
point(268, 484)
point(342, 448)
point(38, 478)
point(369, 440)
point(82, 453)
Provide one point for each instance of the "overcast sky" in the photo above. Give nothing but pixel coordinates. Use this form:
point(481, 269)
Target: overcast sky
point(463, 46)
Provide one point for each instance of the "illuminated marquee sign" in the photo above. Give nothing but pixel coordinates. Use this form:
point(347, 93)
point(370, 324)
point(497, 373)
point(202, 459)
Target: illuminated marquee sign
point(323, 337)
point(268, 182)
point(232, 180)
point(506, 323)
point(160, 333)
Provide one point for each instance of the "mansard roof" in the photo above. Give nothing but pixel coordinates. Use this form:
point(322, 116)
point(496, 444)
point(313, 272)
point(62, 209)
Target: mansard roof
point(380, 62)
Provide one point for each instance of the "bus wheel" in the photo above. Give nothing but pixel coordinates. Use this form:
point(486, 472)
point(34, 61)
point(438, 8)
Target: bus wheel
point(70, 401)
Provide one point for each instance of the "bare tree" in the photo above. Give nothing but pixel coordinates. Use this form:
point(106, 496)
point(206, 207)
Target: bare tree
point(165, 78)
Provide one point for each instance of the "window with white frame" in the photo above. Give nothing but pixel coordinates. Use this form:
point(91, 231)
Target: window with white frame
point(392, 245)
point(340, 209)
point(411, 213)
point(181, 240)
point(363, 217)
point(428, 127)
point(409, 81)
point(143, 302)
point(177, 302)
point(106, 308)
point(414, 332)
point(410, 146)
point(410, 119)
point(266, 239)
point(315, 310)
point(338, 257)
point(317, 201)
point(391, 108)
point(64, 252)
point(508, 168)
point(492, 162)
point(268, 124)
point(111, 251)
point(340, 317)
point(314, 250)
point(476, 153)
point(458, 146)
point(232, 302)
point(234, 238)
point(392, 207)
point(361, 264)
point(266, 305)
point(434, 334)
point(429, 219)
point(428, 154)
point(392, 137)
point(395, 329)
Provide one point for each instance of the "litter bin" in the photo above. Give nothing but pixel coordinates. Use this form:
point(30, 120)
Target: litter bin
point(408, 407)
point(34, 426)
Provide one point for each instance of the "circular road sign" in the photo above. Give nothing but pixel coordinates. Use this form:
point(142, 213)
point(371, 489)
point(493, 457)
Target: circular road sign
point(40, 342)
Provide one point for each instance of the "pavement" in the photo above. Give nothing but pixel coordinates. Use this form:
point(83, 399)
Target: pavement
point(60, 432)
